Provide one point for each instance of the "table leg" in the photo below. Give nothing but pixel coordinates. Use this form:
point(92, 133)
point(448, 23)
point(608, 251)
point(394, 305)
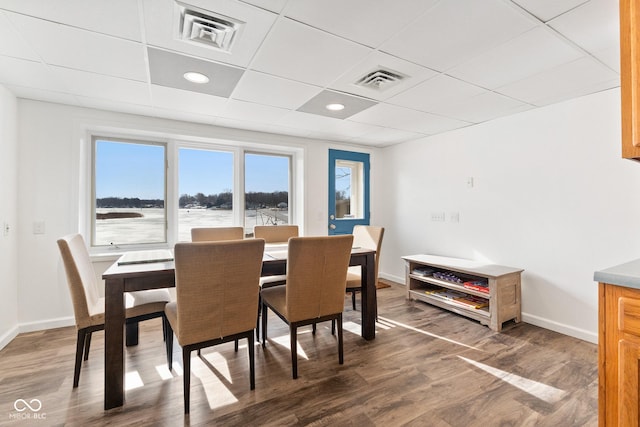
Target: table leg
point(113, 344)
point(368, 298)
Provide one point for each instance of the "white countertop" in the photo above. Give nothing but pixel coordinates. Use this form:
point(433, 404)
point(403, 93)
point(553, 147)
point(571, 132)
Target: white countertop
point(627, 275)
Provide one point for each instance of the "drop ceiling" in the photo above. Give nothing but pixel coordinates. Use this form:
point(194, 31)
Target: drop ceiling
point(461, 62)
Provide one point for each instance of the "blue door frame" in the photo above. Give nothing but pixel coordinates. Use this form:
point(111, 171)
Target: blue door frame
point(345, 225)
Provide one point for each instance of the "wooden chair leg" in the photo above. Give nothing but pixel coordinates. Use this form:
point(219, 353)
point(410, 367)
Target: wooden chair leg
point(264, 324)
point(186, 361)
point(252, 364)
point(132, 333)
point(168, 341)
point(87, 345)
point(80, 343)
point(293, 334)
point(340, 348)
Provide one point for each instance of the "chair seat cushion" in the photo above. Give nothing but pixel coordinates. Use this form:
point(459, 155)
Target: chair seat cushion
point(268, 281)
point(136, 304)
point(276, 298)
point(354, 279)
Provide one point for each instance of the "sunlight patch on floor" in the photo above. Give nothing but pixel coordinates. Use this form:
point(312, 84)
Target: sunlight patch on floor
point(411, 328)
point(132, 380)
point(542, 391)
point(163, 371)
point(283, 340)
point(216, 360)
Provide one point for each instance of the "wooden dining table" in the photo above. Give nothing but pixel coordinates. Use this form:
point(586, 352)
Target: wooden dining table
point(147, 274)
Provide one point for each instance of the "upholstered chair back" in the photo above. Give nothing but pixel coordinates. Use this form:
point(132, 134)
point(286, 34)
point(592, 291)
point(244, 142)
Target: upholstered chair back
point(369, 237)
point(316, 276)
point(81, 278)
point(216, 288)
point(275, 233)
point(214, 234)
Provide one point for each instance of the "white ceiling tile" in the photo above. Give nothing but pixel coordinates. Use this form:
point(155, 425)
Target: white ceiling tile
point(272, 5)
point(271, 90)
point(182, 100)
point(483, 107)
point(593, 26)
point(548, 9)
point(251, 112)
point(31, 74)
point(162, 28)
point(118, 18)
point(287, 52)
point(568, 80)
point(454, 31)
point(413, 74)
point(388, 136)
point(116, 106)
point(12, 43)
point(364, 21)
point(610, 57)
point(82, 50)
point(405, 119)
point(530, 53)
point(436, 92)
point(104, 87)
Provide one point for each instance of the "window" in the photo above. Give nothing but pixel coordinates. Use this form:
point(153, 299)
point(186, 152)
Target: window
point(129, 192)
point(205, 182)
point(349, 189)
point(152, 193)
point(266, 183)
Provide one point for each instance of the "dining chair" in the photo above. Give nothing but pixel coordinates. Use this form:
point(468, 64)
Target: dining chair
point(275, 233)
point(216, 299)
point(215, 234)
point(367, 237)
point(316, 279)
point(88, 306)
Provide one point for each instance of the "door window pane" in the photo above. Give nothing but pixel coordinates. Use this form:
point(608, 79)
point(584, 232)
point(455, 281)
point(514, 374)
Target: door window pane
point(266, 190)
point(129, 189)
point(349, 183)
point(205, 182)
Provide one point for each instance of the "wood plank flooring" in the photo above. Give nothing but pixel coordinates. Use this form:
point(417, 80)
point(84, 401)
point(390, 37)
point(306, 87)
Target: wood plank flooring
point(426, 367)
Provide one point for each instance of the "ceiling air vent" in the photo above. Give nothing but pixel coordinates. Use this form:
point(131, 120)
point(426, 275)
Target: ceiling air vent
point(207, 28)
point(380, 79)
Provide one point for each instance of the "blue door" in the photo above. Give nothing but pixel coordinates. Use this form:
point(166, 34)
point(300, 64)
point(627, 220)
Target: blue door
point(348, 191)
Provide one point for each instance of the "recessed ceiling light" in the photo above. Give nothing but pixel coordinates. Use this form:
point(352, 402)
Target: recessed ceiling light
point(195, 77)
point(335, 107)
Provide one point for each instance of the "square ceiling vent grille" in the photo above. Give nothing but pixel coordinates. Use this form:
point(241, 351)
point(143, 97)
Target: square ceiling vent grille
point(380, 79)
point(206, 28)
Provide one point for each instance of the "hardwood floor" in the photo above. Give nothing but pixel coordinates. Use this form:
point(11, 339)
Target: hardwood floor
point(426, 367)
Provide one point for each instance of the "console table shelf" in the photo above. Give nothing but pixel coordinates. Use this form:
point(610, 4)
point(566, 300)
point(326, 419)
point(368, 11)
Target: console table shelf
point(498, 303)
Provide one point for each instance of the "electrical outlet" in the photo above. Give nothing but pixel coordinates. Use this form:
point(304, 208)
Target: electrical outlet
point(5, 229)
point(437, 216)
point(454, 216)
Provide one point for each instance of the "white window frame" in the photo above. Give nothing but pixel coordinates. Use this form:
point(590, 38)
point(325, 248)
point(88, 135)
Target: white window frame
point(173, 144)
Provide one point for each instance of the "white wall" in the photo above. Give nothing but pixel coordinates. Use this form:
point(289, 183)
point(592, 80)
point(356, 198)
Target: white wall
point(8, 216)
point(50, 178)
point(551, 195)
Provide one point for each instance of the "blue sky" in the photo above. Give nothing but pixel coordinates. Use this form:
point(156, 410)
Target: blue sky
point(137, 170)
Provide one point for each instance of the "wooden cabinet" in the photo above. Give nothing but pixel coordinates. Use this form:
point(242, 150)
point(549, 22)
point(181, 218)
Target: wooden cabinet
point(618, 355)
point(630, 77)
point(488, 293)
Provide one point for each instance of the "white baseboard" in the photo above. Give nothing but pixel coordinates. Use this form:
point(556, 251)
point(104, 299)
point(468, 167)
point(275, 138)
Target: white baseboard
point(571, 331)
point(60, 322)
point(8, 337)
point(396, 279)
